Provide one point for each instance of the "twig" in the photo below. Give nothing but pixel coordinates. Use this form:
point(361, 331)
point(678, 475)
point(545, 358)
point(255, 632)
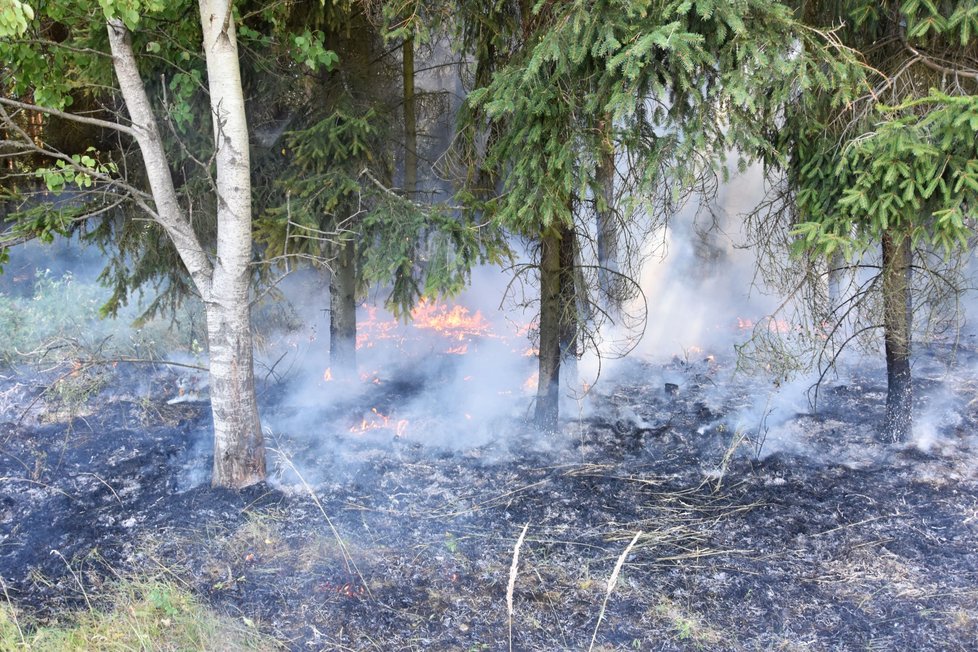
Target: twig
point(351, 566)
point(38, 483)
point(13, 613)
point(74, 574)
point(106, 484)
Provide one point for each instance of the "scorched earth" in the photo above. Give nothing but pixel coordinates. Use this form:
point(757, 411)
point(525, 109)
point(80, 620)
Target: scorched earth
point(798, 531)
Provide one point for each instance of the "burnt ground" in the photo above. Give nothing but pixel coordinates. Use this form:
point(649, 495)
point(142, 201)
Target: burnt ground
point(809, 534)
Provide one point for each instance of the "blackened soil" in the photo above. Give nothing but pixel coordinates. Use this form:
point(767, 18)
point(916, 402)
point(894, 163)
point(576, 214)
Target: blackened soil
point(757, 531)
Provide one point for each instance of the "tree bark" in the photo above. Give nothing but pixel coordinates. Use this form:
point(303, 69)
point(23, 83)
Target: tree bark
point(168, 211)
point(410, 120)
point(343, 314)
point(224, 284)
point(548, 381)
point(239, 451)
point(897, 323)
point(607, 218)
point(569, 317)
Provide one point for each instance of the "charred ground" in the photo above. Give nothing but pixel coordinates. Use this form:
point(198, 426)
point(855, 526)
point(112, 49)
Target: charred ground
point(806, 534)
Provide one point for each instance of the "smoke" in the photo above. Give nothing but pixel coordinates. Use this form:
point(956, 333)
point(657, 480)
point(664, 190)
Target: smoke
point(459, 390)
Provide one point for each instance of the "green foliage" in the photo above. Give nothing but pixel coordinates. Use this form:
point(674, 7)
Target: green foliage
point(130, 11)
point(63, 316)
point(81, 170)
point(14, 17)
point(59, 307)
point(682, 82)
point(864, 169)
point(332, 195)
point(309, 50)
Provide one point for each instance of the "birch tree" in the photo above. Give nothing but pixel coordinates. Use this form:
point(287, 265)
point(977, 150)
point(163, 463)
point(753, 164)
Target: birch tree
point(220, 275)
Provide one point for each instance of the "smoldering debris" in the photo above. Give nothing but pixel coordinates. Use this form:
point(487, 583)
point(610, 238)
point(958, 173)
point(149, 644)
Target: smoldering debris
point(397, 545)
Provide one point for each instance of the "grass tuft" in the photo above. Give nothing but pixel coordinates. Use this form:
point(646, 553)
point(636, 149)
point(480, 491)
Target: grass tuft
point(150, 615)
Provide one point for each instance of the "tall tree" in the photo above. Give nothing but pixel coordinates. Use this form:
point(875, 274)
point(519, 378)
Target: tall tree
point(896, 169)
point(221, 275)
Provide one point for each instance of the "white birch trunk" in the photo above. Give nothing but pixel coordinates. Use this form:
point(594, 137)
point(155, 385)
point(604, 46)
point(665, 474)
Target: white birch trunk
point(224, 284)
point(239, 451)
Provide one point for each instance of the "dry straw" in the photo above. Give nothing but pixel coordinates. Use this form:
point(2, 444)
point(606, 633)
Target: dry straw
point(611, 586)
point(512, 582)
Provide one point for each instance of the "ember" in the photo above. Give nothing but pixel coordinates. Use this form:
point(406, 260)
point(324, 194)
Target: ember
point(374, 420)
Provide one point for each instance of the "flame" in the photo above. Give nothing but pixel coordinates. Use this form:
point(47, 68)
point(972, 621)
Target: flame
point(375, 420)
point(328, 375)
point(455, 322)
point(530, 385)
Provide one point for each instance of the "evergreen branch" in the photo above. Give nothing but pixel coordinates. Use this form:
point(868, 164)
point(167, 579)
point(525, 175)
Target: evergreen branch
point(939, 67)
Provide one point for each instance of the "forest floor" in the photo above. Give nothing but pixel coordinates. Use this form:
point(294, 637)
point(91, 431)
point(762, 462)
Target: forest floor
point(805, 532)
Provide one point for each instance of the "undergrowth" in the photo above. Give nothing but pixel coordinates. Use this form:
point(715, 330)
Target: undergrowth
point(60, 320)
point(138, 614)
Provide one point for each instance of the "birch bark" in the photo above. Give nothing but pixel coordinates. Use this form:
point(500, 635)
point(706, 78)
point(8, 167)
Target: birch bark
point(239, 451)
point(224, 280)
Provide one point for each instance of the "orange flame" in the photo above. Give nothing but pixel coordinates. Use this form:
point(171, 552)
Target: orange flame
point(378, 421)
point(328, 375)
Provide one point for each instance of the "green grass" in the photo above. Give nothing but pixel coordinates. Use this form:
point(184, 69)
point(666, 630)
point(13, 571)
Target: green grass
point(145, 615)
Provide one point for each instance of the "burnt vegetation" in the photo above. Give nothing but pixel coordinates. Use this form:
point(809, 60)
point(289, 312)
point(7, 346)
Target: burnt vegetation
point(455, 325)
point(770, 531)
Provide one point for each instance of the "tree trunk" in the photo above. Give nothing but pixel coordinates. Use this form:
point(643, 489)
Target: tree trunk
point(897, 335)
point(607, 218)
point(548, 382)
point(343, 314)
point(569, 321)
point(224, 284)
point(410, 121)
point(239, 449)
point(239, 452)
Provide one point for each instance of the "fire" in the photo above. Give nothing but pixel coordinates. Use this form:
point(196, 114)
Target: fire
point(530, 385)
point(375, 420)
point(328, 375)
point(772, 325)
point(455, 323)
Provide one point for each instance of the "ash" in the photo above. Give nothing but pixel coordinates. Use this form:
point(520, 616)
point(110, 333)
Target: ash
point(764, 525)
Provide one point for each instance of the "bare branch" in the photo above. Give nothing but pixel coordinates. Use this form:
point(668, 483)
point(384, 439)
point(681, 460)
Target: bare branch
point(105, 124)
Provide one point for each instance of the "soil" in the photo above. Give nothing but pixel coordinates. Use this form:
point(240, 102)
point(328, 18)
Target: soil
point(801, 531)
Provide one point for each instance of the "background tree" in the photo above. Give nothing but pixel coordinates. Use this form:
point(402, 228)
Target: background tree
point(665, 89)
point(888, 179)
point(336, 202)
